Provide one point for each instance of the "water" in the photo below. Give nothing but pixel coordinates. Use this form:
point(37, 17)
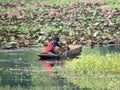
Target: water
point(22, 70)
point(103, 50)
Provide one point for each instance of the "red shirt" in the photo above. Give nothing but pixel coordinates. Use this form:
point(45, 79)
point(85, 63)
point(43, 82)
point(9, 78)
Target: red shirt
point(51, 46)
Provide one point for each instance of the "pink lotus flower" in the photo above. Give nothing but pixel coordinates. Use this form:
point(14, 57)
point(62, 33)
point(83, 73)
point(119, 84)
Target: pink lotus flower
point(22, 3)
point(109, 14)
point(35, 23)
point(2, 7)
point(52, 9)
point(100, 1)
point(51, 13)
point(108, 20)
point(72, 10)
point(11, 15)
point(24, 16)
point(93, 17)
point(38, 15)
point(46, 24)
point(113, 11)
point(68, 24)
point(15, 11)
point(8, 3)
point(71, 4)
point(2, 15)
point(46, 16)
point(88, 3)
point(21, 8)
point(60, 15)
point(32, 3)
point(42, 4)
point(104, 9)
point(88, 9)
point(70, 16)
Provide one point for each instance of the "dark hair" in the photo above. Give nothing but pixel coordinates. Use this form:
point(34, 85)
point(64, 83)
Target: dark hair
point(55, 38)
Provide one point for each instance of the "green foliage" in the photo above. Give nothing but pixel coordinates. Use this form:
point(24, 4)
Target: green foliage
point(61, 1)
point(83, 22)
point(95, 64)
point(94, 71)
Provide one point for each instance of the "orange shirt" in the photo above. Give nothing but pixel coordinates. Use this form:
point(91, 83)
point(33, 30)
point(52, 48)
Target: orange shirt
point(51, 46)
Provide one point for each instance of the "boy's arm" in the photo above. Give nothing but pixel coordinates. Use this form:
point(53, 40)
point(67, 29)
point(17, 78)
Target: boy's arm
point(59, 45)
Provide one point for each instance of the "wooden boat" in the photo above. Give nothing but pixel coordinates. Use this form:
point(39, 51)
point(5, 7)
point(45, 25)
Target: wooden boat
point(73, 52)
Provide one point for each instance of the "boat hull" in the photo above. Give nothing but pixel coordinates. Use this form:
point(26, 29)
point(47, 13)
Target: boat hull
point(73, 52)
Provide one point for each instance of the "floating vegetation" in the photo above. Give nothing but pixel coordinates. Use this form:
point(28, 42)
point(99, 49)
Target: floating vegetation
point(32, 24)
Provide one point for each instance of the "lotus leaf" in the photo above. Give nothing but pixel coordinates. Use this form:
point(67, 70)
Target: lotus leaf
point(95, 22)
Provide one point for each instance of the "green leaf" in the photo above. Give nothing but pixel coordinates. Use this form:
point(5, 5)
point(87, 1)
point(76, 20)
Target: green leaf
point(97, 33)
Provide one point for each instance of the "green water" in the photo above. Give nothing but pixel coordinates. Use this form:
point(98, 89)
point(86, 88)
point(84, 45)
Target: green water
point(102, 50)
point(22, 70)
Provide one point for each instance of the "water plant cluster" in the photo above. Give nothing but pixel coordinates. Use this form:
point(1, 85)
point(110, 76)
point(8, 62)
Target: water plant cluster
point(95, 68)
point(27, 24)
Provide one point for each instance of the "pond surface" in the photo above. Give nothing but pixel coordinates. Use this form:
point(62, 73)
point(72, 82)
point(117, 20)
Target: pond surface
point(103, 50)
point(22, 70)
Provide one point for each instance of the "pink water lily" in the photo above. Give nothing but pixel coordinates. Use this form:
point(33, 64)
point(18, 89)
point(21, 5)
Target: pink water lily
point(51, 13)
point(72, 10)
point(71, 4)
point(24, 16)
point(69, 17)
point(108, 20)
point(60, 15)
point(42, 4)
point(38, 15)
point(21, 8)
point(68, 24)
point(22, 3)
point(88, 9)
point(113, 11)
point(109, 14)
point(2, 7)
point(47, 16)
point(47, 24)
point(100, 1)
point(11, 15)
point(88, 3)
point(93, 17)
point(2, 15)
point(104, 9)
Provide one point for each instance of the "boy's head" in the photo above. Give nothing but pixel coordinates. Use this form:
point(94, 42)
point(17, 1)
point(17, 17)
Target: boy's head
point(55, 38)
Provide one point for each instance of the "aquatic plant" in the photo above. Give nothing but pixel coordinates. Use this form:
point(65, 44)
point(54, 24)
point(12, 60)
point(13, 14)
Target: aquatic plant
point(87, 22)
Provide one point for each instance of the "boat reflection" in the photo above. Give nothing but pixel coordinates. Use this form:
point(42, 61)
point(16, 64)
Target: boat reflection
point(49, 64)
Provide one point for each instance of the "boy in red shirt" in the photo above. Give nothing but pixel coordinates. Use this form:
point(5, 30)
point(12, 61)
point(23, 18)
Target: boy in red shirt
point(50, 49)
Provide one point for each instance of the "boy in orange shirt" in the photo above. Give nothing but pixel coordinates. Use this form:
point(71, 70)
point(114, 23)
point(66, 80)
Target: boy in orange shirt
point(50, 49)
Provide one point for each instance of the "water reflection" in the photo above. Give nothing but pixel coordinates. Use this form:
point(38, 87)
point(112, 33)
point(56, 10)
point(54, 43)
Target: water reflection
point(25, 70)
point(14, 68)
point(12, 78)
point(49, 64)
